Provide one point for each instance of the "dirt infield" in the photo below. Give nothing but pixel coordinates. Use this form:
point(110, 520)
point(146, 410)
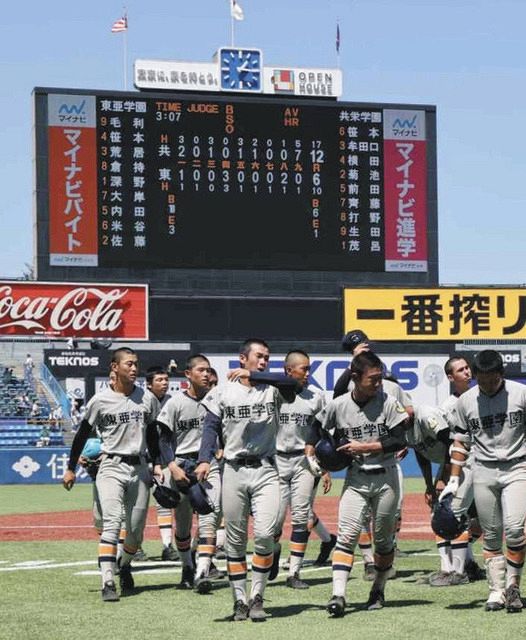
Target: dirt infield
point(77, 525)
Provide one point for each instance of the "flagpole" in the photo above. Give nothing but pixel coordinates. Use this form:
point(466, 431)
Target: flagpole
point(231, 29)
point(125, 51)
point(338, 43)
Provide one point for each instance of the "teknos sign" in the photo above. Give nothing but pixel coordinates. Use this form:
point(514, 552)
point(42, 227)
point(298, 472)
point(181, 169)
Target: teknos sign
point(78, 310)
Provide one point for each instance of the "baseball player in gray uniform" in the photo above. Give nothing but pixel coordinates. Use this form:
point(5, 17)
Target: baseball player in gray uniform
point(457, 563)
point(157, 382)
point(121, 416)
point(356, 342)
point(372, 423)
point(296, 464)
point(181, 423)
point(244, 412)
point(491, 420)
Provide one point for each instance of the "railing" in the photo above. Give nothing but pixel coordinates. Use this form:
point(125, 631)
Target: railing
point(49, 380)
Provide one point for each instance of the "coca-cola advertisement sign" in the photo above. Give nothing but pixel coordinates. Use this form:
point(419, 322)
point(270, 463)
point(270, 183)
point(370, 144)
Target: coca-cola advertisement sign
point(80, 310)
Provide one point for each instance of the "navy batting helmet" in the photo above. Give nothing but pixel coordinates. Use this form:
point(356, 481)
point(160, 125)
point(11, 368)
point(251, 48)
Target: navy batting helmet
point(444, 522)
point(200, 499)
point(329, 458)
point(166, 496)
point(352, 339)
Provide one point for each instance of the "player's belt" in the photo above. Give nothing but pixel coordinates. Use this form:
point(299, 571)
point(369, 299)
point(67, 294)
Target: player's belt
point(372, 472)
point(290, 454)
point(132, 460)
point(188, 456)
point(249, 461)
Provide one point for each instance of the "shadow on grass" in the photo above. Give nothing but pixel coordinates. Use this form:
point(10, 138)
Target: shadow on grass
point(461, 606)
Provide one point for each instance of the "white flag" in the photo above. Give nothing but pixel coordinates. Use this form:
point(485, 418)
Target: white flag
point(236, 11)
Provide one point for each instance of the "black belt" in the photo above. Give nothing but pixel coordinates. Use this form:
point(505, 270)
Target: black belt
point(290, 454)
point(188, 456)
point(127, 459)
point(249, 461)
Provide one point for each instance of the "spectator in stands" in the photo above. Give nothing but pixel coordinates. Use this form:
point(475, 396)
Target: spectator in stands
point(45, 436)
point(36, 411)
point(56, 416)
point(29, 365)
point(7, 374)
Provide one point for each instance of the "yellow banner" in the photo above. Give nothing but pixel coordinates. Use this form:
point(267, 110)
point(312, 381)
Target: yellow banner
point(436, 314)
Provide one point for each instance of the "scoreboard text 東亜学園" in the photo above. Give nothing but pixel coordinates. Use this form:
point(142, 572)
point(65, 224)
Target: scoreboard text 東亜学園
point(182, 181)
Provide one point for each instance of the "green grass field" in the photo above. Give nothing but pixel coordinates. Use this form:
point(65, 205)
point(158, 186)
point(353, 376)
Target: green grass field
point(51, 590)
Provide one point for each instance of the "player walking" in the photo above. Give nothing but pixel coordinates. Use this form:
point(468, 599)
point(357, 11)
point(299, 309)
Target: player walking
point(120, 416)
point(297, 473)
point(372, 423)
point(491, 419)
point(181, 423)
point(244, 412)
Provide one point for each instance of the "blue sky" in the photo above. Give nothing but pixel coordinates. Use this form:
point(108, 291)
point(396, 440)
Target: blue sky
point(467, 57)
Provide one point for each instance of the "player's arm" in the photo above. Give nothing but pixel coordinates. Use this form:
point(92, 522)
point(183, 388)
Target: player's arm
point(458, 455)
point(83, 433)
point(287, 386)
point(427, 474)
point(167, 453)
point(342, 384)
point(391, 443)
point(211, 433)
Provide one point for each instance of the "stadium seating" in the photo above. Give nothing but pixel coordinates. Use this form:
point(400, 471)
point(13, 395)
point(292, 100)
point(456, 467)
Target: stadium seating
point(21, 433)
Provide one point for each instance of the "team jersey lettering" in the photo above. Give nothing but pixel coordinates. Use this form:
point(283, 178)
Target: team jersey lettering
point(247, 411)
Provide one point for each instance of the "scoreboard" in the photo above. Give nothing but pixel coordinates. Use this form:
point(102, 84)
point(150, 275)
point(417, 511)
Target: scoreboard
point(160, 181)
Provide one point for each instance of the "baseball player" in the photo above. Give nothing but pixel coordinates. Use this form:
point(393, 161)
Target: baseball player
point(372, 423)
point(356, 342)
point(457, 564)
point(157, 382)
point(296, 463)
point(244, 413)
point(490, 419)
point(121, 416)
point(181, 423)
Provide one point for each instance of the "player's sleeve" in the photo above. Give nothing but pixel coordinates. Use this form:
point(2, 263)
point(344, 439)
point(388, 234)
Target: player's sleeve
point(167, 415)
point(395, 413)
point(342, 384)
point(82, 434)
point(92, 411)
point(211, 433)
point(287, 386)
point(460, 426)
point(327, 417)
point(213, 401)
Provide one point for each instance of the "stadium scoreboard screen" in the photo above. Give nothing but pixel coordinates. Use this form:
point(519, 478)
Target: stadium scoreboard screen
point(192, 181)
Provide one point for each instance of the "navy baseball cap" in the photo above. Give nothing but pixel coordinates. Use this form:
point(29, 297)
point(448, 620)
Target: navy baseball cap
point(352, 339)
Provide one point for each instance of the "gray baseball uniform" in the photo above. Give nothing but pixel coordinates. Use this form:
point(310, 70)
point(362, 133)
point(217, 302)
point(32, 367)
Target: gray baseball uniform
point(184, 416)
point(249, 418)
point(495, 427)
point(372, 481)
point(295, 479)
point(123, 480)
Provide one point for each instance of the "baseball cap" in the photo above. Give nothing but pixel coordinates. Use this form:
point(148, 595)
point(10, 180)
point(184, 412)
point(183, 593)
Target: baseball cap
point(352, 339)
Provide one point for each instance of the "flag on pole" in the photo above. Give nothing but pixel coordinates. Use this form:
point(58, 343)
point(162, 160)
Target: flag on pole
point(120, 25)
point(337, 37)
point(236, 11)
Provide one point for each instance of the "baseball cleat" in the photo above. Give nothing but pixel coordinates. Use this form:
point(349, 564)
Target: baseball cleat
point(140, 555)
point(170, 553)
point(187, 578)
point(203, 585)
point(376, 600)
point(214, 573)
point(109, 592)
point(474, 572)
point(459, 578)
point(493, 606)
point(369, 572)
point(325, 551)
point(240, 611)
point(294, 582)
point(513, 599)
point(255, 609)
point(126, 581)
point(336, 606)
point(440, 579)
point(274, 569)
